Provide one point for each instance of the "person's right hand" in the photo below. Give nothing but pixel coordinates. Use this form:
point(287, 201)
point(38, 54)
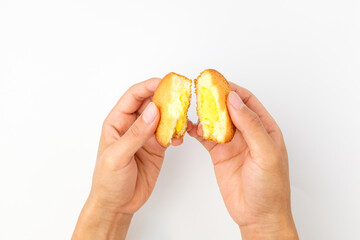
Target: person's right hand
point(252, 170)
point(127, 167)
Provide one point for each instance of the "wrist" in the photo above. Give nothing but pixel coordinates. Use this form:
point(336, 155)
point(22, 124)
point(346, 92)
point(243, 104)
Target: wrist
point(279, 227)
point(97, 222)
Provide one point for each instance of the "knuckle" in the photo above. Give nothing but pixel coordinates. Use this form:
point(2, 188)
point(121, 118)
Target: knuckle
point(108, 160)
point(132, 87)
point(135, 130)
point(114, 160)
point(247, 91)
point(272, 158)
point(106, 122)
point(254, 121)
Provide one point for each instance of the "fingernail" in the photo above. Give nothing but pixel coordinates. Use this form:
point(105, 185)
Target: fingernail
point(149, 113)
point(235, 100)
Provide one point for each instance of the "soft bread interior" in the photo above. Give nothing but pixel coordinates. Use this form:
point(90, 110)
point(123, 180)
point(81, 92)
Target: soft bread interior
point(178, 106)
point(212, 117)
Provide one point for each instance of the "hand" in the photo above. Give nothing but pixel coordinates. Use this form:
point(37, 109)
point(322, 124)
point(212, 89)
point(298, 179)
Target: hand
point(252, 170)
point(128, 163)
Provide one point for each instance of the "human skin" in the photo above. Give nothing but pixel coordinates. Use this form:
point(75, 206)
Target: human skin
point(252, 169)
point(128, 163)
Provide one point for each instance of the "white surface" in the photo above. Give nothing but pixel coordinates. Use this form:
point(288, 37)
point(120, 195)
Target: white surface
point(64, 64)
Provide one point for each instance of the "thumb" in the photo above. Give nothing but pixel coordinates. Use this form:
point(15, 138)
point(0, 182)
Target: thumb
point(138, 134)
point(249, 124)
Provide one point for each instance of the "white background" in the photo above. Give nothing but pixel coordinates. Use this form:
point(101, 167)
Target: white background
point(64, 64)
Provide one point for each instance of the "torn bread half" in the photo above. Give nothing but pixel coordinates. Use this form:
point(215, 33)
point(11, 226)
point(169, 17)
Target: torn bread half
point(212, 90)
point(172, 97)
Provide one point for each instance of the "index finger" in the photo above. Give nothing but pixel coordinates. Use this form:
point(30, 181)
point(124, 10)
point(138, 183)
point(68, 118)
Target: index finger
point(255, 105)
point(132, 99)
point(122, 114)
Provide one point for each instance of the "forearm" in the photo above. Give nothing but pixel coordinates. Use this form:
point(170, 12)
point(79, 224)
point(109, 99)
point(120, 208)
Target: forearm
point(280, 228)
point(97, 223)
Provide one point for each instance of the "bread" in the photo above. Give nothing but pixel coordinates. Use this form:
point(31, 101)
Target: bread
point(172, 97)
point(211, 90)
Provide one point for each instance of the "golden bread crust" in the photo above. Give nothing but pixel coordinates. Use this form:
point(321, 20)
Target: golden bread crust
point(223, 88)
point(162, 98)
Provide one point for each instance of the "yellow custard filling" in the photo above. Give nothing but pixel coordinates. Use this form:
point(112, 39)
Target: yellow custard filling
point(209, 110)
point(184, 101)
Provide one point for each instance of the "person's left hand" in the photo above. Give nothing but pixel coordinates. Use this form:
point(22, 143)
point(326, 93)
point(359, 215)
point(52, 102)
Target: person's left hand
point(128, 164)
